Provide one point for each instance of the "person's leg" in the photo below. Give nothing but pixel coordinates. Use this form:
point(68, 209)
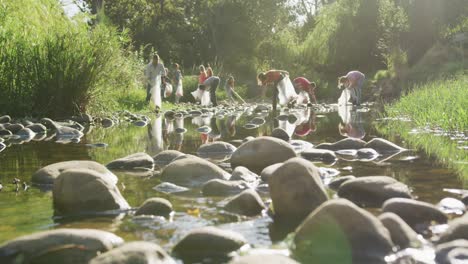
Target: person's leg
point(213, 92)
point(148, 93)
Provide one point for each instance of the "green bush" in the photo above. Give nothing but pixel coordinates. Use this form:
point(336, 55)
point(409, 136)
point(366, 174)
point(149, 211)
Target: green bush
point(53, 65)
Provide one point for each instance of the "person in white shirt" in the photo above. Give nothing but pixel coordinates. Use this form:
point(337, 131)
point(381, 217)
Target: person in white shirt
point(154, 73)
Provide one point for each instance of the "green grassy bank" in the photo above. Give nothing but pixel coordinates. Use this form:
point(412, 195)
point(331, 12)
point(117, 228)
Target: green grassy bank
point(434, 108)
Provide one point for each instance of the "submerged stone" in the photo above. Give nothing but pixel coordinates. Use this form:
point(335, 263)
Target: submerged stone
point(139, 252)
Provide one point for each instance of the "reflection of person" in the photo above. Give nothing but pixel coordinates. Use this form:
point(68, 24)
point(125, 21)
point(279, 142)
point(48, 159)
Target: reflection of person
point(274, 77)
point(352, 125)
point(306, 89)
point(210, 85)
point(178, 83)
point(154, 74)
point(306, 127)
point(353, 81)
point(179, 137)
point(167, 87)
point(155, 135)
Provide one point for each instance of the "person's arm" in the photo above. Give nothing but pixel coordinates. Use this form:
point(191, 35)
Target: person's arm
point(312, 96)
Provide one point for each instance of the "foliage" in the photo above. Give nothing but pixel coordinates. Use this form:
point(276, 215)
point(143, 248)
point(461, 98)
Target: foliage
point(60, 67)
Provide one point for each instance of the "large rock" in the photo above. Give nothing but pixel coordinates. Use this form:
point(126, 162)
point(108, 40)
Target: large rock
point(347, 143)
point(296, 190)
point(14, 128)
point(37, 128)
point(264, 259)
point(78, 191)
point(401, 233)
point(280, 133)
point(155, 206)
point(414, 212)
point(340, 232)
point(135, 161)
point(217, 147)
point(243, 174)
point(5, 119)
point(49, 173)
point(373, 191)
point(335, 184)
point(74, 246)
point(165, 157)
point(261, 152)
point(383, 146)
point(323, 155)
point(246, 203)
point(208, 242)
point(268, 171)
point(139, 252)
point(192, 172)
point(457, 229)
point(219, 187)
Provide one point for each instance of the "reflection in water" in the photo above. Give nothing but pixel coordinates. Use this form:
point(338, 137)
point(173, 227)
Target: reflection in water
point(352, 125)
point(155, 136)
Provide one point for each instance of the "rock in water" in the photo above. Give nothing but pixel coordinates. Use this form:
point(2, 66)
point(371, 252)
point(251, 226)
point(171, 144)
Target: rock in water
point(107, 122)
point(192, 172)
point(78, 191)
point(243, 174)
point(296, 190)
point(323, 155)
point(373, 191)
point(155, 206)
point(167, 187)
point(5, 119)
point(401, 233)
point(215, 149)
point(208, 242)
point(340, 232)
point(335, 184)
point(457, 229)
point(218, 187)
point(268, 171)
point(49, 173)
point(264, 258)
point(74, 246)
point(347, 143)
point(37, 128)
point(138, 252)
point(135, 161)
point(414, 212)
point(165, 157)
point(280, 133)
point(261, 152)
point(246, 203)
point(383, 146)
point(447, 253)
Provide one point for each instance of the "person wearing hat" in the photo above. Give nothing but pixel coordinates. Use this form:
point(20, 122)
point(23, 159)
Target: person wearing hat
point(306, 90)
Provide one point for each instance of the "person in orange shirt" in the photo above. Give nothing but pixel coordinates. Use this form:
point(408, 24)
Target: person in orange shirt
point(209, 70)
point(272, 77)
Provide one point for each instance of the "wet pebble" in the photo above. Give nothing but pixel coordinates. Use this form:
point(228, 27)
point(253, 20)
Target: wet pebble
point(180, 130)
point(155, 206)
point(246, 203)
point(140, 123)
point(97, 145)
point(452, 206)
point(250, 126)
point(204, 129)
point(257, 121)
point(167, 187)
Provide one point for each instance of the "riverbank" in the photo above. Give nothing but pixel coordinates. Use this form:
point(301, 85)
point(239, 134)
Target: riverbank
point(433, 117)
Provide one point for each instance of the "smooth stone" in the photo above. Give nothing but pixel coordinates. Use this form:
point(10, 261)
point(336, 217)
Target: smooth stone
point(5, 119)
point(74, 246)
point(367, 154)
point(340, 232)
point(180, 130)
point(280, 133)
point(452, 206)
point(457, 229)
point(261, 152)
point(316, 155)
point(218, 187)
point(37, 128)
point(401, 233)
point(292, 118)
point(250, 126)
point(167, 187)
point(264, 259)
point(4, 132)
point(268, 171)
point(192, 172)
point(246, 203)
point(77, 191)
point(373, 191)
point(346, 152)
point(135, 161)
point(208, 242)
point(139, 252)
point(247, 139)
point(2, 146)
point(347, 143)
point(140, 123)
point(204, 129)
point(243, 174)
point(383, 146)
point(14, 128)
point(257, 121)
point(300, 145)
point(296, 190)
point(155, 206)
point(107, 122)
point(444, 252)
point(195, 113)
point(336, 183)
point(217, 147)
point(165, 157)
point(282, 117)
point(26, 134)
point(49, 173)
point(414, 212)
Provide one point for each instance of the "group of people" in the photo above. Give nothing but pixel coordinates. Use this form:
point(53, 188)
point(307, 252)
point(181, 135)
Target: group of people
point(285, 92)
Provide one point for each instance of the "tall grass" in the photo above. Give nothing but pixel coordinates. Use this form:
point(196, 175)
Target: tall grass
point(438, 104)
point(53, 65)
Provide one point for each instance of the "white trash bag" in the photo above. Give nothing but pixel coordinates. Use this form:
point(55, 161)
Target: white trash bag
point(286, 92)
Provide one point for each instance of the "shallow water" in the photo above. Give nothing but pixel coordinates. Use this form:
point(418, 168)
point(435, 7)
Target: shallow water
point(26, 211)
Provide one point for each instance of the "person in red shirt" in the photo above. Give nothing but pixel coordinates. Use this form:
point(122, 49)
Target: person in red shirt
point(305, 85)
point(272, 77)
point(203, 75)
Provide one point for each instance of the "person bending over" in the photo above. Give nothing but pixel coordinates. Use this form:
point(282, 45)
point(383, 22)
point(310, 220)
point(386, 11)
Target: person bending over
point(306, 87)
point(211, 84)
point(353, 81)
point(272, 77)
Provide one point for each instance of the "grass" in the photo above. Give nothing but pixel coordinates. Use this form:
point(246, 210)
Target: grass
point(437, 104)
